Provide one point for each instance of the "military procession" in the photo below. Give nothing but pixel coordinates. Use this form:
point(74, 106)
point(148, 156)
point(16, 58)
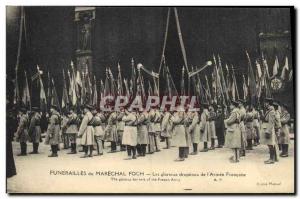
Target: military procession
point(87, 118)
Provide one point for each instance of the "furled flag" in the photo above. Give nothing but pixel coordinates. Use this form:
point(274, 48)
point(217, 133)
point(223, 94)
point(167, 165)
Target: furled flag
point(65, 99)
point(26, 94)
point(245, 88)
point(95, 94)
point(265, 65)
point(285, 68)
point(182, 87)
point(275, 67)
point(120, 82)
point(54, 97)
point(43, 101)
point(258, 67)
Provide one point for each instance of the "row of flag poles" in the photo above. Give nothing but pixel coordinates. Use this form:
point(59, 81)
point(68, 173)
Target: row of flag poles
point(81, 88)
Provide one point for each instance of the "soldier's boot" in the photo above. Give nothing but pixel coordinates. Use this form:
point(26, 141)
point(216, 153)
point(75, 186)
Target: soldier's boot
point(162, 139)
point(271, 160)
point(100, 148)
point(181, 154)
point(85, 149)
point(23, 146)
point(186, 152)
point(133, 152)
point(91, 151)
point(276, 153)
point(195, 149)
point(156, 143)
point(123, 147)
point(285, 148)
point(34, 148)
point(113, 146)
point(54, 149)
point(242, 152)
point(128, 153)
point(249, 144)
point(212, 147)
point(72, 149)
point(139, 150)
point(144, 146)
point(205, 149)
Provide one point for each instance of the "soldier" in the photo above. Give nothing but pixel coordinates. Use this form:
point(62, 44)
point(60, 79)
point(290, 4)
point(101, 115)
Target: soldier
point(130, 133)
point(204, 125)
point(256, 126)
point(284, 137)
point(212, 128)
point(65, 137)
point(99, 132)
point(233, 132)
point(34, 130)
point(151, 131)
point(249, 127)
point(86, 132)
point(220, 128)
point(268, 136)
point(242, 127)
point(142, 133)
point(120, 128)
point(111, 134)
point(22, 131)
point(53, 132)
point(72, 129)
point(188, 118)
point(166, 128)
point(157, 128)
point(277, 125)
point(179, 134)
point(194, 131)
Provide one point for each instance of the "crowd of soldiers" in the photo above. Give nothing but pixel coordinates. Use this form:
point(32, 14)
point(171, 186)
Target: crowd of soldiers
point(139, 132)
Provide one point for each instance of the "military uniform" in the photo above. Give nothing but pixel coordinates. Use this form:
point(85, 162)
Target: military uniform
point(249, 129)
point(212, 127)
point(157, 128)
point(65, 137)
point(86, 132)
point(111, 134)
point(179, 137)
point(120, 130)
point(220, 128)
point(35, 131)
point(142, 133)
point(72, 129)
point(130, 134)
point(194, 131)
point(166, 128)
point(256, 126)
point(22, 133)
point(243, 130)
point(284, 137)
point(151, 131)
point(233, 133)
point(53, 137)
point(204, 126)
point(99, 132)
point(268, 136)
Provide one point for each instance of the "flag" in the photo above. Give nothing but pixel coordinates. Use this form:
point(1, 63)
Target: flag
point(235, 90)
point(275, 67)
point(258, 68)
point(285, 68)
point(95, 94)
point(26, 94)
point(182, 88)
point(65, 99)
point(54, 98)
point(251, 82)
point(133, 78)
point(150, 90)
point(245, 88)
point(266, 67)
point(120, 82)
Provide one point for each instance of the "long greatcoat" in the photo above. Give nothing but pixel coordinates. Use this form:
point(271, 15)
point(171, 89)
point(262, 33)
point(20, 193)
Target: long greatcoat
point(242, 111)
point(99, 132)
point(268, 127)
point(233, 132)
point(212, 127)
point(250, 132)
point(22, 130)
point(204, 126)
point(194, 129)
point(166, 125)
point(111, 134)
point(34, 129)
point(130, 130)
point(179, 137)
point(53, 131)
point(142, 130)
point(86, 130)
point(284, 137)
point(72, 123)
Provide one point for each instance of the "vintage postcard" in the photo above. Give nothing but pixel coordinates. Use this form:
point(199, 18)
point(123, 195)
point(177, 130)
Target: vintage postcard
point(150, 100)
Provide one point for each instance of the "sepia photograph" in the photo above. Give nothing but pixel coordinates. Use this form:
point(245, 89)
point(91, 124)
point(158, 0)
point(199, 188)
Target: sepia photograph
point(150, 100)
